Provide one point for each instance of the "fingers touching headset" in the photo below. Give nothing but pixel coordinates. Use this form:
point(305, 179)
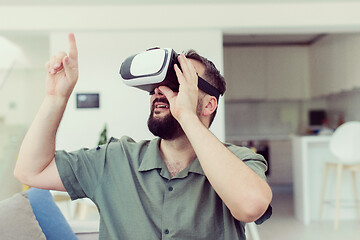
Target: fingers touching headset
point(188, 71)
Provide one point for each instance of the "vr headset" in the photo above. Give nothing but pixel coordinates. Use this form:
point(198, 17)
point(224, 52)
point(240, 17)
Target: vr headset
point(155, 67)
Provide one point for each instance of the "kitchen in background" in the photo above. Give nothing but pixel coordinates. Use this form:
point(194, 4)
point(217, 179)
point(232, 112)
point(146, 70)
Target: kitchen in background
point(279, 86)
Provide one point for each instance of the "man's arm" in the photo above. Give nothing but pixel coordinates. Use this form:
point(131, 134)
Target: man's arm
point(245, 193)
point(242, 190)
point(36, 164)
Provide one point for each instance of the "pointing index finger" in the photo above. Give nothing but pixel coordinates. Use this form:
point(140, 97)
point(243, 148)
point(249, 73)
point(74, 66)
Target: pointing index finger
point(72, 46)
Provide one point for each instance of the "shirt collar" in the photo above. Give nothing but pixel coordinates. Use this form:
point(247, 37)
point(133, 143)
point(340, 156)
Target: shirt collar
point(152, 160)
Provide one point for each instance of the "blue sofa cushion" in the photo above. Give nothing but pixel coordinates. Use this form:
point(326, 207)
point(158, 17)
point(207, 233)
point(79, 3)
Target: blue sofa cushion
point(49, 216)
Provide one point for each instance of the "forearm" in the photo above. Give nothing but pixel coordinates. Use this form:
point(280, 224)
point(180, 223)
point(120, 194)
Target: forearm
point(242, 190)
point(38, 147)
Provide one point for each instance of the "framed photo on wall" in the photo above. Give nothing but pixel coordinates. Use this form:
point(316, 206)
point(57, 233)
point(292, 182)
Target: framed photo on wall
point(87, 100)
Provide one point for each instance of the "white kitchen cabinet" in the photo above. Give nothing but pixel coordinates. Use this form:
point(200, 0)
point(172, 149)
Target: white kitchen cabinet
point(338, 64)
point(266, 72)
point(319, 58)
point(287, 72)
point(329, 66)
point(353, 61)
point(244, 72)
point(334, 64)
point(324, 69)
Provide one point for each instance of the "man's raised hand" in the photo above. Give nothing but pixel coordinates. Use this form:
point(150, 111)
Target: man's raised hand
point(63, 71)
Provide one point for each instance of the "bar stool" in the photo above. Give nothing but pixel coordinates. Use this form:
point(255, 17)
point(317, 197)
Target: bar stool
point(344, 145)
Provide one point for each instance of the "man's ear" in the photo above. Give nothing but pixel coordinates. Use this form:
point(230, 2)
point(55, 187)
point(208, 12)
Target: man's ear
point(211, 105)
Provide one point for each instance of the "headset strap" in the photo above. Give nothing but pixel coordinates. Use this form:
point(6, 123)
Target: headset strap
point(204, 86)
point(208, 88)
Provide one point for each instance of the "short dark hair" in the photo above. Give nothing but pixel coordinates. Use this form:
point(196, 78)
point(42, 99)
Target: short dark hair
point(212, 74)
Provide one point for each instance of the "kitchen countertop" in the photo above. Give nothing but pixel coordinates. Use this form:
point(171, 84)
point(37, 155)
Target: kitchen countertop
point(265, 137)
point(309, 156)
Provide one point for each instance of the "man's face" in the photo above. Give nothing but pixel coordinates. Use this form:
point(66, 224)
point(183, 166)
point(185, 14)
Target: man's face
point(161, 122)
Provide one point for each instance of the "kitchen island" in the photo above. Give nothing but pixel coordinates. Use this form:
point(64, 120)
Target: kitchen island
point(309, 156)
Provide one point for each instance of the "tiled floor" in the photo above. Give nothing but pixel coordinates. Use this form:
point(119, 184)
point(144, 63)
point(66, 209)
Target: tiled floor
point(284, 226)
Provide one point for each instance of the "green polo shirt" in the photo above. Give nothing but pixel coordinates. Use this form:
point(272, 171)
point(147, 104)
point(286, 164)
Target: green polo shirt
point(137, 199)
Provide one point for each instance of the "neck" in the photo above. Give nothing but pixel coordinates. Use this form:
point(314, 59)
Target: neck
point(177, 154)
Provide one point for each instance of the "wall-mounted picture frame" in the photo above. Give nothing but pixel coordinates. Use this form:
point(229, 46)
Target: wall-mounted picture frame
point(87, 100)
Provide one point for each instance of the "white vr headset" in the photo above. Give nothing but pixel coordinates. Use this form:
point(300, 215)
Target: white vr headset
point(155, 67)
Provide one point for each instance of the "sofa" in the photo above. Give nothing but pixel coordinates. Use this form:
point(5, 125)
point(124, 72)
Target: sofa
point(33, 214)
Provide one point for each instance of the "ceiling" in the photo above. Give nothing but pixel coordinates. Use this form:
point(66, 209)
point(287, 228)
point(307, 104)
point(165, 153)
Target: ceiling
point(271, 39)
point(117, 2)
point(229, 39)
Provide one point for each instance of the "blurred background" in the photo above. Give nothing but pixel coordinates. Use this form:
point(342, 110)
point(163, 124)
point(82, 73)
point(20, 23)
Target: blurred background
point(292, 72)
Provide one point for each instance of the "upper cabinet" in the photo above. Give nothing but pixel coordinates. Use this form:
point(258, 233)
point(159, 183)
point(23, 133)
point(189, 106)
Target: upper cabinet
point(352, 52)
point(335, 64)
point(329, 66)
point(244, 72)
point(266, 72)
point(287, 72)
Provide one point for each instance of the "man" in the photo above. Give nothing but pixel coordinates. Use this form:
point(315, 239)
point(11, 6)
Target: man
point(185, 184)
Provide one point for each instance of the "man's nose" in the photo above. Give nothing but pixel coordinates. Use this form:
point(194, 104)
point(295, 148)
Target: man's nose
point(157, 91)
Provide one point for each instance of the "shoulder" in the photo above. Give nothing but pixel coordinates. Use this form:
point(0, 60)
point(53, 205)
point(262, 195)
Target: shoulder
point(253, 160)
point(244, 153)
point(127, 143)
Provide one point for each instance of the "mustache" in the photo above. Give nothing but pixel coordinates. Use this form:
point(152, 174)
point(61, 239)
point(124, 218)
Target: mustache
point(163, 100)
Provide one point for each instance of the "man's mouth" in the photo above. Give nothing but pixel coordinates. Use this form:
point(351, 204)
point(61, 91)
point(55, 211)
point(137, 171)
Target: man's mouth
point(160, 104)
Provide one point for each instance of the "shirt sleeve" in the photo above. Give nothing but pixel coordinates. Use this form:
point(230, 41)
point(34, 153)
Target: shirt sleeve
point(259, 165)
point(80, 171)
point(256, 162)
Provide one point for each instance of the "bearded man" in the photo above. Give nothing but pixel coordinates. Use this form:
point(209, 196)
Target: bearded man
point(184, 184)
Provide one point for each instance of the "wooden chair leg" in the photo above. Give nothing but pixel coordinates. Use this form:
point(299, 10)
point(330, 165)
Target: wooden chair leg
point(323, 190)
point(338, 194)
point(353, 174)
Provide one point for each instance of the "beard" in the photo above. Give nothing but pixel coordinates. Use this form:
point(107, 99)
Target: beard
point(166, 127)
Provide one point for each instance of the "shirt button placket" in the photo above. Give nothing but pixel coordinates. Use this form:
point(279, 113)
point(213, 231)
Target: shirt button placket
point(166, 210)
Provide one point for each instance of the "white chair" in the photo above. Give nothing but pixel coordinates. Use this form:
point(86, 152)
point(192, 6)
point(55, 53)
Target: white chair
point(344, 145)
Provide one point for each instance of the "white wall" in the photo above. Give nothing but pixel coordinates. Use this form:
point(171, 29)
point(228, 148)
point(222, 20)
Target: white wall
point(247, 18)
point(20, 97)
point(125, 110)
point(24, 88)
